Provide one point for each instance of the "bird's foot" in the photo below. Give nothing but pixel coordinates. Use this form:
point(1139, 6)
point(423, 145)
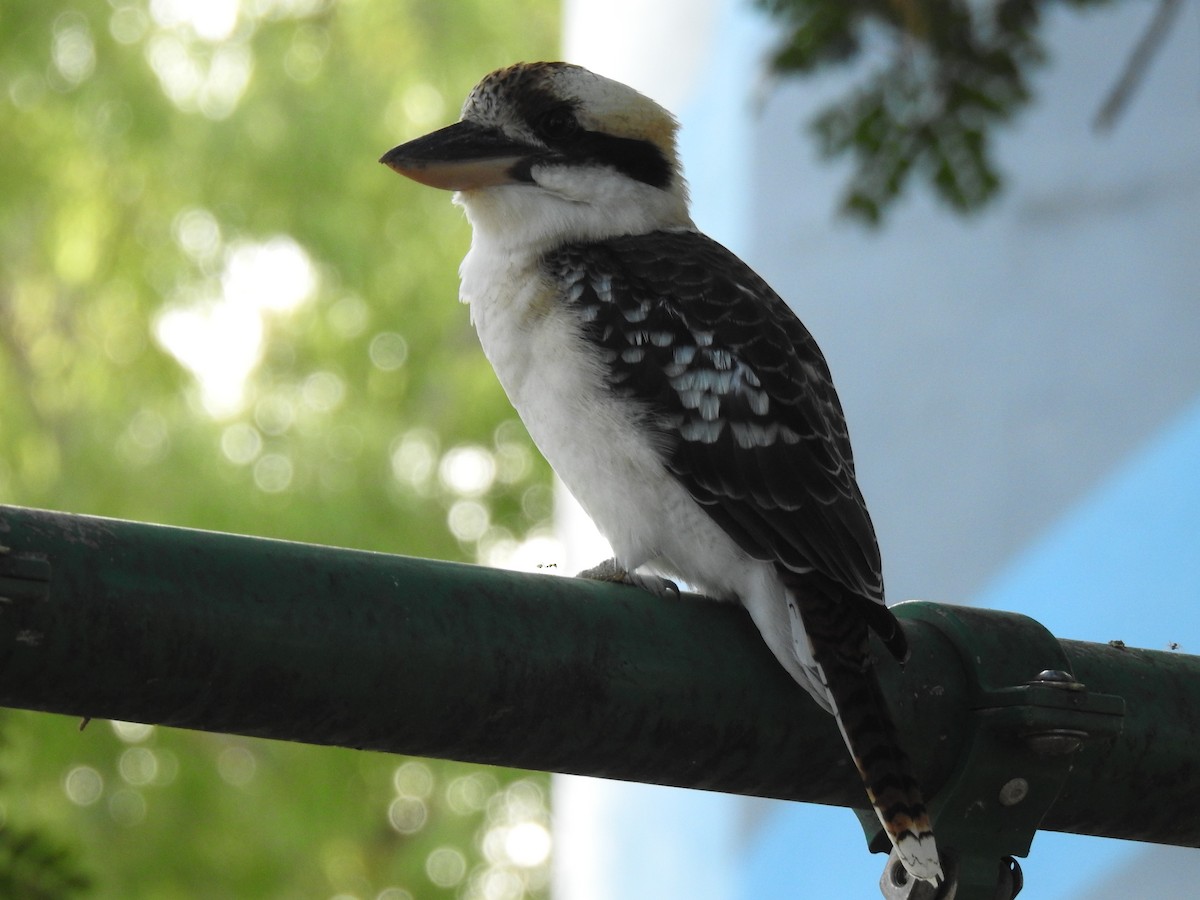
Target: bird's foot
point(613, 572)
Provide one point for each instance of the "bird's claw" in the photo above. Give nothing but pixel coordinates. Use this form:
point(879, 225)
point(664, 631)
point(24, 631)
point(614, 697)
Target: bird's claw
point(612, 571)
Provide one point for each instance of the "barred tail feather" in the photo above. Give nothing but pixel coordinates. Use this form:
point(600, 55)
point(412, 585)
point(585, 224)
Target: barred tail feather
point(838, 638)
point(885, 770)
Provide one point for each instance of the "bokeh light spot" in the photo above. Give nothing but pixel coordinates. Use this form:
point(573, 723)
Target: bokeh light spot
point(210, 20)
point(413, 779)
point(323, 391)
point(388, 350)
point(220, 338)
point(138, 766)
point(26, 91)
point(275, 275)
point(132, 732)
point(274, 414)
point(128, 24)
point(241, 443)
point(527, 844)
point(304, 58)
point(469, 794)
point(468, 520)
point(127, 807)
point(83, 785)
point(407, 815)
point(73, 50)
point(446, 866)
point(198, 78)
point(237, 766)
point(500, 884)
point(168, 767)
point(198, 234)
point(273, 473)
point(468, 470)
point(413, 457)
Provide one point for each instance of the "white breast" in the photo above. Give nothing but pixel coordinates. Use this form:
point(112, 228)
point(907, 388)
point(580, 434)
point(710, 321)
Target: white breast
point(590, 436)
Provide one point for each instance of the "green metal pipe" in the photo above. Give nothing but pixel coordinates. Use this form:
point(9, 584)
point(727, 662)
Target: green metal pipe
point(1145, 784)
point(217, 632)
point(281, 640)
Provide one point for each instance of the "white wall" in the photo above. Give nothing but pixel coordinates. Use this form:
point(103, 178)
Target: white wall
point(1023, 390)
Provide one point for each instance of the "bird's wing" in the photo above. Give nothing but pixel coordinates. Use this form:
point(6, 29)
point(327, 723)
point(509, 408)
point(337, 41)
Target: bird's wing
point(742, 398)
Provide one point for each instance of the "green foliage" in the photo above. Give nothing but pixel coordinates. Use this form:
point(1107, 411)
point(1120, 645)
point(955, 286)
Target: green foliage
point(34, 868)
point(945, 74)
point(217, 310)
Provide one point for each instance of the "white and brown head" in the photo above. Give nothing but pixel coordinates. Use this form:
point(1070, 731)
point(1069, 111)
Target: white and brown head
point(553, 151)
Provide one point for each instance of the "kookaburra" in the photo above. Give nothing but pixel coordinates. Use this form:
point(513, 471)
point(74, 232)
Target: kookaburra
point(677, 396)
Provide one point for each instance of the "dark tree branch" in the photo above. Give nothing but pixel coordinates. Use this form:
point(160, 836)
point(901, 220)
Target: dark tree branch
point(1137, 65)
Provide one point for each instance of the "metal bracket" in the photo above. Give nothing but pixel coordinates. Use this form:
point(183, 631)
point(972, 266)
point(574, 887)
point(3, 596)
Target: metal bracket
point(1027, 716)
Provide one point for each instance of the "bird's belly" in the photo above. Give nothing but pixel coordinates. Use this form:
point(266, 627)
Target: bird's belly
point(605, 456)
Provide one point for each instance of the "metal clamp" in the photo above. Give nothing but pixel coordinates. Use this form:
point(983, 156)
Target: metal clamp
point(1026, 715)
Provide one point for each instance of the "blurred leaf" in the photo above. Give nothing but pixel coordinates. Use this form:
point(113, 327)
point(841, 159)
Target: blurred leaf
point(34, 868)
point(945, 74)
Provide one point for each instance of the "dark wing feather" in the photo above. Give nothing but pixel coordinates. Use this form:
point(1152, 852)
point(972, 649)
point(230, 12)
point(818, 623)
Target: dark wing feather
point(747, 411)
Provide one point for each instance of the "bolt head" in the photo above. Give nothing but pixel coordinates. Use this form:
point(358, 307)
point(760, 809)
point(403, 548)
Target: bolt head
point(1014, 791)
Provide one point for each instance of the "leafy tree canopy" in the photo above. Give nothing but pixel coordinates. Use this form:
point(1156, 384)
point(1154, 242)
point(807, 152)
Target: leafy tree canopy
point(943, 75)
point(217, 310)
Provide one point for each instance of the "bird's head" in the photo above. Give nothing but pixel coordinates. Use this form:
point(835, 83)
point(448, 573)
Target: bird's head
point(550, 151)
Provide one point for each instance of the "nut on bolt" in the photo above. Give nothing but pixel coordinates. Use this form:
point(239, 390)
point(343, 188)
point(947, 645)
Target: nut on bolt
point(1056, 741)
point(1059, 679)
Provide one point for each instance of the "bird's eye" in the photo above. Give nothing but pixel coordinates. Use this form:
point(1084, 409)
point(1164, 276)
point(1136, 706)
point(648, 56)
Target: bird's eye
point(558, 124)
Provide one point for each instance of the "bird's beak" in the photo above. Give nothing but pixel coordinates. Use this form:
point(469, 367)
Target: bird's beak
point(460, 157)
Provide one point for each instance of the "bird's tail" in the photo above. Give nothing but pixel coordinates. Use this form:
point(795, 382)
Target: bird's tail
point(837, 633)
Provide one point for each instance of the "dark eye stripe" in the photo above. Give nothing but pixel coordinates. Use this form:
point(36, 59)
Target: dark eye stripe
point(641, 160)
